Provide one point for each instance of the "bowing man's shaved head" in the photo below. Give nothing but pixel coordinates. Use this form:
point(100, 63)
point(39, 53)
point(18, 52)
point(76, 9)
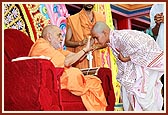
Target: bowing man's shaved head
point(99, 27)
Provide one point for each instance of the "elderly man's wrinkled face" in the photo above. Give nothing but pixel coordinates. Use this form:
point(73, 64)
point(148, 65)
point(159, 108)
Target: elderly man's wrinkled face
point(56, 40)
point(88, 6)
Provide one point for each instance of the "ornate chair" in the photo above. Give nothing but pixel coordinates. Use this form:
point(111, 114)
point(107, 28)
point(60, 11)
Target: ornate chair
point(34, 84)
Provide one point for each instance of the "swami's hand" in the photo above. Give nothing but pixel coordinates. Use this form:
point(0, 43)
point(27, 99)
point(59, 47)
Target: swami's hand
point(83, 42)
point(98, 46)
point(89, 44)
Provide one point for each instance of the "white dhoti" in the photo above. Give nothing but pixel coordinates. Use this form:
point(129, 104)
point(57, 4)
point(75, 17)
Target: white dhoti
point(140, 77)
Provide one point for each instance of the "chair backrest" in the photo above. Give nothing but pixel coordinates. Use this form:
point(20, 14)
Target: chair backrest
point(16, 44)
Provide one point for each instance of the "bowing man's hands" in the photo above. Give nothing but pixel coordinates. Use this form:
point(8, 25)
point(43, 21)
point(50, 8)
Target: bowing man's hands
point(122, 58)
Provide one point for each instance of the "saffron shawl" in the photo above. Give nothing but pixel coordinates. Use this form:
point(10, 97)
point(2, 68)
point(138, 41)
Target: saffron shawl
point(88, 87)
point(81, 28)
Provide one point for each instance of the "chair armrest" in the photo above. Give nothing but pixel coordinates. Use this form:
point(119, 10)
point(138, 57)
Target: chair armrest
point(105, 76)
point(25, 79)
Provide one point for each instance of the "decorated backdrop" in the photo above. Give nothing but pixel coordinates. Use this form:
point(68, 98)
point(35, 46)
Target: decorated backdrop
point(31, 18)
point(108, 58)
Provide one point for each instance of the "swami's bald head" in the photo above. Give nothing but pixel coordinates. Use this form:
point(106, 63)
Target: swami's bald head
point(49, 29)
point(53, 35)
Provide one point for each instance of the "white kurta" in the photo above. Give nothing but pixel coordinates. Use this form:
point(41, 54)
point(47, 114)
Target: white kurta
point(140, 77)
point(158, 8)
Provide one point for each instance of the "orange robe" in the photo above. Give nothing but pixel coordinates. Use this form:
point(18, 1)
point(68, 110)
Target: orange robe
point(81, 28)
point(88, 87)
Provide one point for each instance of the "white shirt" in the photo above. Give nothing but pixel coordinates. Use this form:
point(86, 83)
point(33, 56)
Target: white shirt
point(158, 8)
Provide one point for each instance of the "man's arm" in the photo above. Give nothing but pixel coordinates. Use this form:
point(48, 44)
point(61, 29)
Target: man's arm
point(70, 43)
point(74, 57)
point(155, 30)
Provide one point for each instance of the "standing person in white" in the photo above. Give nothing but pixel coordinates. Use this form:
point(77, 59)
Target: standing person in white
point(157, 23)
point(140, 66)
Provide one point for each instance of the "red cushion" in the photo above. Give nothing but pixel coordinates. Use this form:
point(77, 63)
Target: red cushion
point(105, 76)
point(26, 83)
point(16, 44)
point(68, 96)
point(20, 87)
